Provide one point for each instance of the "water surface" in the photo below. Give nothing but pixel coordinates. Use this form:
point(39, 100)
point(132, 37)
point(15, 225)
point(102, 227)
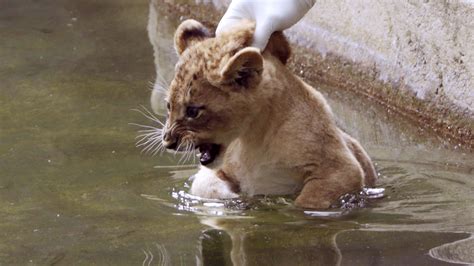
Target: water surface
point(74, 189)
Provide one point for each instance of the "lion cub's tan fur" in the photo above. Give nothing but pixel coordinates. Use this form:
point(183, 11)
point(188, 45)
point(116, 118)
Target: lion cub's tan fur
point(277, 133)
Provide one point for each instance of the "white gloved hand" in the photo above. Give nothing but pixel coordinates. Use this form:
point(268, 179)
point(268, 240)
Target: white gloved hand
point(269, 15)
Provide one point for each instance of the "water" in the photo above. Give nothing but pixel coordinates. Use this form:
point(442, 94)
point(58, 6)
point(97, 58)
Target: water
point(75, 190)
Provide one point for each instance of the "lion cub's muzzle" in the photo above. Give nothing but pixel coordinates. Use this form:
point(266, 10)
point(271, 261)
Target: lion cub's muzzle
point(169, 141)
point(208, 151)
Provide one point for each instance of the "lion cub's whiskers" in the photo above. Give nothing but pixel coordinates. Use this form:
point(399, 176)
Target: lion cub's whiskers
point(189, 149)
point(187, 152)
point(146, 113)
point(162, 84)
point(150, 137)
point(151, 141)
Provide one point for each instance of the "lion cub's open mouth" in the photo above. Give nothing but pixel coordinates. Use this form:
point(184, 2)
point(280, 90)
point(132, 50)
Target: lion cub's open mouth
point(209, 152)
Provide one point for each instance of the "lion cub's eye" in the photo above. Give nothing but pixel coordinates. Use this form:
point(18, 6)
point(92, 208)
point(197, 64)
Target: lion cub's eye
point(193, 111)
point(168, 105)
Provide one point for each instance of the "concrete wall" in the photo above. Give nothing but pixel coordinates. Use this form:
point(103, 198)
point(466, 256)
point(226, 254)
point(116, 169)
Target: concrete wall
point(423, 47)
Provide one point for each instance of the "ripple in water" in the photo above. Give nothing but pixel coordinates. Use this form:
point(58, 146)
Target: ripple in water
point(239, 207)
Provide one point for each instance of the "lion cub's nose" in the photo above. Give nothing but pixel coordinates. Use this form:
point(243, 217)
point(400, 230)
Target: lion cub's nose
point(169, 142)
point(171, 145)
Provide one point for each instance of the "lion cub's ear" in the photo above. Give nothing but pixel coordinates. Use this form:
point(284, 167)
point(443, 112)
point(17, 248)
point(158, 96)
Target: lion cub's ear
point(244, 69)
point(188, 33)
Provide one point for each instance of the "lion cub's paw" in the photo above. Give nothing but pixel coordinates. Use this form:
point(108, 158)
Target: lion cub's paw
point(313, 203)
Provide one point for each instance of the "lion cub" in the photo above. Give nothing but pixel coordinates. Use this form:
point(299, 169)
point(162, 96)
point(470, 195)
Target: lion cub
point(260, 130)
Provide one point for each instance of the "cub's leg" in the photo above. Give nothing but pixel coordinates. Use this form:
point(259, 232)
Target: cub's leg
point(207, 184)
point(323, 188)
point(365, 162)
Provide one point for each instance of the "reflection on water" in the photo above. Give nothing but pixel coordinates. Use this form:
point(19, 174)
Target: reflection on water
point(75, 190)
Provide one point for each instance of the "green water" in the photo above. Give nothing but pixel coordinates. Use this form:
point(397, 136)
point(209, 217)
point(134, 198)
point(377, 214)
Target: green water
point(74, 189)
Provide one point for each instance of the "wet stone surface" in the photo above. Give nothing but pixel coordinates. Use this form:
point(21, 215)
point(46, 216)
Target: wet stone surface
point(74, 189)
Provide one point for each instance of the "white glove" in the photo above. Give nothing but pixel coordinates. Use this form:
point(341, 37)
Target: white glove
point(269, 15)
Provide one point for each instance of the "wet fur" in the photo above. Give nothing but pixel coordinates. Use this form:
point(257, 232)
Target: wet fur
point(278, 133)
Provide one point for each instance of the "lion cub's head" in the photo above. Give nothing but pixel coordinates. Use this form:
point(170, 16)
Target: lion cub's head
point(215, 87)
